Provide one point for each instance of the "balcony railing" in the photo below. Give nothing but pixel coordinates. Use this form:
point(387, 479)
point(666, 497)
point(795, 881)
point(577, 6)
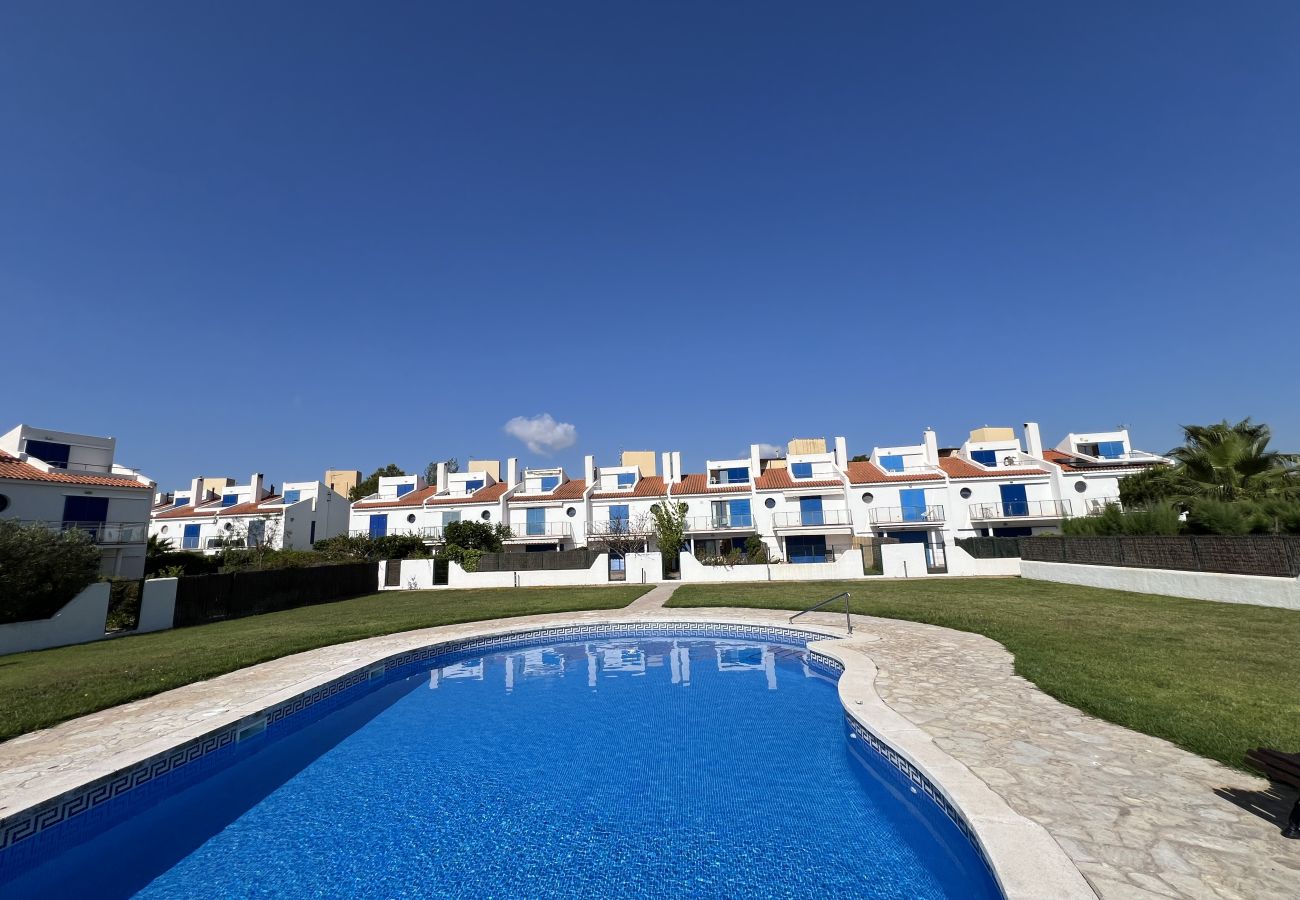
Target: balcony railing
point(101, 532)
point(616, 526)
point(719, 523)
point(906, 515)
point(1020, 509)
point(1095, 506)
point(813, 518)
point(524, 530)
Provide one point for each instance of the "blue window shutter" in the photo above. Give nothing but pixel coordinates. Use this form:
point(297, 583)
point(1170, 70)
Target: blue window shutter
point(1013, 500)
point(229, 499)
point(404, 489)
point(801, 470)
point(292, 496)
point(182, 501)
point(378, 525)
point(985, 457)
point(626, 479)
point(891, 463)
point(739, 513)
point(536, 521)
point(550, 483)
point(913, 503)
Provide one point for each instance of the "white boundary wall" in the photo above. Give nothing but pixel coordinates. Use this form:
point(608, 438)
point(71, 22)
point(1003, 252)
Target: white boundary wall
point(79, 621)
point(157, 605)
point(1258, 590)
point(903, 561)
point(962, 563)
point(849, 565)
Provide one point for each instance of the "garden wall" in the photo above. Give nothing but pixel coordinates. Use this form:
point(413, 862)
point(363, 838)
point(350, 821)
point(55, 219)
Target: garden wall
point(1245, 554)
point(848, 565)
point(79, 621)
point(1258, 590)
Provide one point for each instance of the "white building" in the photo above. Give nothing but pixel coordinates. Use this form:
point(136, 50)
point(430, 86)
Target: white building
point(407, 505)
point(64, 480)
point(248, 515)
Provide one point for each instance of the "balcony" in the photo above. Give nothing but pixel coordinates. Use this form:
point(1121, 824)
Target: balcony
point(906, 515)
point(814, 518)
point(101, 533)
point(1020, 509)
point(1095, 506)
point(617, 527)
point(719, 523)
point(524, 532)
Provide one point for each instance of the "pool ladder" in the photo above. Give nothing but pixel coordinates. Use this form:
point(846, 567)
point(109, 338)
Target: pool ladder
point(848, 622)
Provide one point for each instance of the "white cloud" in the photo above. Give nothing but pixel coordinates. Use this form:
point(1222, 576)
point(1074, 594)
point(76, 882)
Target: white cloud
point(542, 434)
point(770, 451)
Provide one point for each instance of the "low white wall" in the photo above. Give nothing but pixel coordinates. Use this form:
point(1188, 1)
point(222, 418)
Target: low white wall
point(962, 563)
point(849, 565)
point(903, 560)
point(157, 605)
point(417, 574)
point(1258, 590)
point(79, 621)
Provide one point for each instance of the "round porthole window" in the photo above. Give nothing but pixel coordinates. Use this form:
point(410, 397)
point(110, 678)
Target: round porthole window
point(411, 518)
point(230, 526)
point(770, 503)
point(965, 493)
point(571, 511)
point(654, 507)
point(4, 502)
point(164, 528)
point(487, 514)
point(868, 497)
point(1081, 486)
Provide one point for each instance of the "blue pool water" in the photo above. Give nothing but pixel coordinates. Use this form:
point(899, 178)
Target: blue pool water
point(617, 767)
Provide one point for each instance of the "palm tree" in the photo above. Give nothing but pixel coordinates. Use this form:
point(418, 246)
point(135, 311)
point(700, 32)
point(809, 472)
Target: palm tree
point(1227, 461)
point(158, 545)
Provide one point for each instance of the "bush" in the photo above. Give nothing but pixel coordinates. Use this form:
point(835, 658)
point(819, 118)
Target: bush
point(41, 570)
point(1158, 518)
point(123, 605)
point(471, 535)
point(347, 547)
point(262, 559)
point(1221, 517)
point(178, 563)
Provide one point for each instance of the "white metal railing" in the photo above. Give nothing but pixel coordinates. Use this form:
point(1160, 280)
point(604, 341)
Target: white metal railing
point(1020, 509)
point(813, 518)
point(524, 530)
point(100, 532)
point(616, 526)
point(724, 522)
point(903, 515)
point(1095, 506)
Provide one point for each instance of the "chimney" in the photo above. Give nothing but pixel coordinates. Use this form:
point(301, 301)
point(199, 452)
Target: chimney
point(256, 482)
point(196, 491)
point(677, 466)
point(755, 461)
point(931, 447)
point(667, 466)
point(589, 469)
point(442, 478)
point(1033, 440)
point(512, 471)
point(841, 452)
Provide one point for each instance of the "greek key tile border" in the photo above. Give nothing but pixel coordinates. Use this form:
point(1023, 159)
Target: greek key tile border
point(25, 824)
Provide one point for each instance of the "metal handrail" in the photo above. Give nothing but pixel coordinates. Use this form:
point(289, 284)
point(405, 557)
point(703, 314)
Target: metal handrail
point(1020, 509)
point(724, 522)
point(848, 622)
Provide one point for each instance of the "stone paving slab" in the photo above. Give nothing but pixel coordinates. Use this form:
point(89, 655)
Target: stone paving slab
point(1139, 817)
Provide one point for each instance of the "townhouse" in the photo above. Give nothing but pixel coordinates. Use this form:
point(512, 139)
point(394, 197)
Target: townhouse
point(216, 514)
point(61, 480)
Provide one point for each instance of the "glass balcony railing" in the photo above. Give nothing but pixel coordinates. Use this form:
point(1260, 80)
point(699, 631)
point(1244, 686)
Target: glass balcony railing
point(726, 522)
point(905, 515)
point(811, 518)
point(523, 530)
point(102, 532)
point(1020, 509)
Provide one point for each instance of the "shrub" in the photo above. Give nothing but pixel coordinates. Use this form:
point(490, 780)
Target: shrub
point(471, 535)
point(362, 547)
point(123, 605)
point(41, 570)
point(180, 563)
point(1158, 518)
point(1221, 517)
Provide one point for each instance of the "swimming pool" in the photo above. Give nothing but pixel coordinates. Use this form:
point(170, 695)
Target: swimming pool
point(604, 765)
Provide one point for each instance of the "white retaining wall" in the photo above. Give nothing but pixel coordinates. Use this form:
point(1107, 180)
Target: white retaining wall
point(903, 560)
point(849, 565)
point(79, 621)
point(642, 568)
point(962, 563)
point(1258, 590)
point(157, 605)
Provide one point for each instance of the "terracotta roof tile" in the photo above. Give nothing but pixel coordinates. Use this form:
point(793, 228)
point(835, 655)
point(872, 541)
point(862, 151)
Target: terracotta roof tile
point(14, 468)
point(428, 497)
point(867, 472)
point(251, 507)
point(1066, 462)
point(956, 467)
point(779, 479)
point(570, 490)
point(698, 483)
point(650, 486)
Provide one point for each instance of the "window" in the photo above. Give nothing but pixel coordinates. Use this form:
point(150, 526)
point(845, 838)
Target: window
point(810, 511)
point(471, 486)
point(549, 483)
point(1081, 486)
point(1110, 449)
point(806, 548)
point(487, 514)
point(295, 496)
point(4, 504)
point(868, 497)
point(801, 470)
point(891, 463)
point(770, 503)
point(738, 475)
point(535, 521)
point(571, 511)
point(49, 452)
point(965, 493)
point(409, 519)
point(618, 517)
point(85, 509)
point(190, 538)
point(985, 457)
point(164, 528)
point(913, 504)
point(180, 501)
point(378, 525)
point(626, 479)
point(449, 517)
point(401, 489)
point(229, 499)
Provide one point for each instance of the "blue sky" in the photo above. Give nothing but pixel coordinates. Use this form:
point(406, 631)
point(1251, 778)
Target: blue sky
point(280, 237)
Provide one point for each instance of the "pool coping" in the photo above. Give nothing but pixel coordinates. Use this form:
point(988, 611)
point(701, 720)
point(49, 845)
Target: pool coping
point(1024, 858)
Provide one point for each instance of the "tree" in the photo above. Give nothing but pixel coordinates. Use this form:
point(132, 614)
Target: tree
point(670, 527)
point(625, 536)
point(41, 570)
point(1227, 461)
point(469, 534)
point(371, 483)
point(431, 470)
point(158, 545)
point(861, 457)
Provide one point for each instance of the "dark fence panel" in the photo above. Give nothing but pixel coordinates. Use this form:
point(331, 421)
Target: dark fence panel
point(581, 558)
point(210, 598)
point(990, 547)
point(1245, 554)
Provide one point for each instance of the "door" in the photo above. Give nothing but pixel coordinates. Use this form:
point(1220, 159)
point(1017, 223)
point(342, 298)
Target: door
point(86, 513)
point(190, 540)
point(810, 513)
point(1013, 500)
point(738, 515)
point(535, 522)
point(806, 548)
point(618, 518)
point(913, 501)
point(379, 525)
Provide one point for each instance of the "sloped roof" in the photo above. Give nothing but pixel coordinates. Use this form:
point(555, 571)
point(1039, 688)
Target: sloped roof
point(16, 469)
point(1070, 463)
point(650, 486)
point(698, 483)
point(867, 472)
point(956, 467)
point(428, 497)
point(775, 479)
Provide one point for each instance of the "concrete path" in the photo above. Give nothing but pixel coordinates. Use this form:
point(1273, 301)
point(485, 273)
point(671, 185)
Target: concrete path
point(1139, 817)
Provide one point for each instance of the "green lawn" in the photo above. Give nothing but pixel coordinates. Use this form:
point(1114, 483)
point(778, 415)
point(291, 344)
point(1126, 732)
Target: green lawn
point(41, 689)
point(1214, 678)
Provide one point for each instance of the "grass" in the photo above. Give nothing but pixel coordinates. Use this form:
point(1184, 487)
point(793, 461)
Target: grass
point(1213, 678)
point(46, 687)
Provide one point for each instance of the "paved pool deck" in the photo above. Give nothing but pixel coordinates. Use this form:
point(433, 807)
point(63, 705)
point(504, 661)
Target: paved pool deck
point(1136, 816)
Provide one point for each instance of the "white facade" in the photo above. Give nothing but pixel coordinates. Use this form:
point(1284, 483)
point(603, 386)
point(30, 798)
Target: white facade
point(247, 515)
point(64, 480)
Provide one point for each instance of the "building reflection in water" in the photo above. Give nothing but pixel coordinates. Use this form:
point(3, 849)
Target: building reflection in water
point(468, 668)
point(539, 662)
point(734, 656)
